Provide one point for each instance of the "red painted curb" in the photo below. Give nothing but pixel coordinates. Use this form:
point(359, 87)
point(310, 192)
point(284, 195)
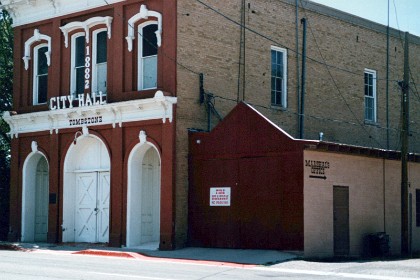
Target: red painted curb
point(105, 253)
point(145, 257)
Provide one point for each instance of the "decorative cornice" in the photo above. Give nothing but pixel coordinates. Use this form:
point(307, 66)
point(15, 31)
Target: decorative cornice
point(37, 37)
point(143, 14)
point(158, 107)
point(85, 25)
point(29, 11)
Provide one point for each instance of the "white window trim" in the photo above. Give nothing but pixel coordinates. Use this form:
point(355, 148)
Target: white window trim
point(144, 13)
point(140, 57)
point(284, 88)
point(37, 37)
point(35, 73)
point(72, 64)
point(94, 76)
point(85, 25)
point(373, 73)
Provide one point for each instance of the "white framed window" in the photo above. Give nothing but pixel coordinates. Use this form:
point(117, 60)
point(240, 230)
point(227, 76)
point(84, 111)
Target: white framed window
point(89, 63)
point(278, 77)
point(99, 61)
point(370, 95)
point(147, 56)
point(78, 54)
point(40, 74)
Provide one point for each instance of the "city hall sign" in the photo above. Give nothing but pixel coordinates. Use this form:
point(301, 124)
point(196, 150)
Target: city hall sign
point(83, 100)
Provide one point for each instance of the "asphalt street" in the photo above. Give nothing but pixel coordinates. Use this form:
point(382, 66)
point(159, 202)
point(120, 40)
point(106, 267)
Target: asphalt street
point(61, 264)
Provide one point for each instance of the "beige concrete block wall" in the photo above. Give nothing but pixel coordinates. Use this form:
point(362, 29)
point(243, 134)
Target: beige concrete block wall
point(414, 183)
point(374, 201)
point(208, 43)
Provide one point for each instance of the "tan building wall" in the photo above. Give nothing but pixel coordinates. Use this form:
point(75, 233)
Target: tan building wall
point(374, 201)
point(209, 43)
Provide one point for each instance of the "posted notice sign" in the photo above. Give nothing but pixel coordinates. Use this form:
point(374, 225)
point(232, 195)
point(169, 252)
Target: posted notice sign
point(220, 196)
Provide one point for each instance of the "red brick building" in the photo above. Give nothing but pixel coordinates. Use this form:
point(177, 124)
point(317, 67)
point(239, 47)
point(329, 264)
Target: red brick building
point(93, 132)
point(105, 93)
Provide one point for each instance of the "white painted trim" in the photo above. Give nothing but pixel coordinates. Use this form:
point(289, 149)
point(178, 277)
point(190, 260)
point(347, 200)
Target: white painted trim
point(31, 161)
point(37, 37)
point(69, 180)
point(94, 75)
point(29, 11)
point(284, 88)
point(140, 149)
point(73, 63)
point(85, 25)
point(158, 107)
point(35, 73)
point(140, 75)
point(144, 13)
point(373, 73)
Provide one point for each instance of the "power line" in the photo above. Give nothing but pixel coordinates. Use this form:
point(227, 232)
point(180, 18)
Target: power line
point(335, 83)
point(289, 111)
point(280, 44)
point(402, 45)
point(154, 46)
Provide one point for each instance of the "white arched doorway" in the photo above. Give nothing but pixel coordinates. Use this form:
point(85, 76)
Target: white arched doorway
point(35, 194)
point(143, 197)
point(86, 191)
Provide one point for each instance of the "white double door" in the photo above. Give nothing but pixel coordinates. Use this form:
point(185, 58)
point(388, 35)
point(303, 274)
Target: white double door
point(92, 207)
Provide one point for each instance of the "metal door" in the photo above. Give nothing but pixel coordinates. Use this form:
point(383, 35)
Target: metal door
point(341, 221)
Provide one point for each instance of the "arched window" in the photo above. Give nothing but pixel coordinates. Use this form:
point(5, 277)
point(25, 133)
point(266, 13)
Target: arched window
point(40, 71)
point(147, 54)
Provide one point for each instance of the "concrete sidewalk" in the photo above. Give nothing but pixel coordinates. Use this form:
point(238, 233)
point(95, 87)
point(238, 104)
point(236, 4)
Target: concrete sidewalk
point(236, 256)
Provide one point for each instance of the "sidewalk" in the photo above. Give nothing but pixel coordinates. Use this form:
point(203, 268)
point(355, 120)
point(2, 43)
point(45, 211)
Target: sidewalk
point(234, 256)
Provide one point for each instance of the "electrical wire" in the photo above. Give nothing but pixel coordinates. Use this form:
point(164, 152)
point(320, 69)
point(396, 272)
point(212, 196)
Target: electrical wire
point(335, 83)
point(402, 45)
point(156, 47)
point(280, 44)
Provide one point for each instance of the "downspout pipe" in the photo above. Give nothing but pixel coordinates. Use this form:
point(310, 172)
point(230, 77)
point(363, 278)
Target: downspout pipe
point(302, 95)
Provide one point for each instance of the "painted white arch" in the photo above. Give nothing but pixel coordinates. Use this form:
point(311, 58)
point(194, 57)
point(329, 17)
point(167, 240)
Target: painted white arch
point(143, 195)
point(144, 13)
point(35, 193)
point(37, 37)
point(88, 157)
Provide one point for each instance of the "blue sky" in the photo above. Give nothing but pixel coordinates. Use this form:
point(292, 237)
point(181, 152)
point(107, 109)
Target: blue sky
point(406, 11)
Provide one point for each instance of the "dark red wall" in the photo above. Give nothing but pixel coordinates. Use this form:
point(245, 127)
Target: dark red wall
point(122, 70)
point(119, 141)
point(122, 86)
point(264, 169)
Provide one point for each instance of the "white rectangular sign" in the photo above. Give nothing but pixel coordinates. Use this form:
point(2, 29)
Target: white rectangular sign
point(220, 196)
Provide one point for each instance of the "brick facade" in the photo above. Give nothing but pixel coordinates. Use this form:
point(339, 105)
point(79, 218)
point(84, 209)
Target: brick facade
point(339, 48)
point(208, 43)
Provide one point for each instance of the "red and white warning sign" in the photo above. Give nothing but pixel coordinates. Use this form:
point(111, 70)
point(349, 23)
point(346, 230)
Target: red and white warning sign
point(220, 196)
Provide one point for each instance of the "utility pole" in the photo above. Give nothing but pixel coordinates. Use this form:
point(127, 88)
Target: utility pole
point(405, 244)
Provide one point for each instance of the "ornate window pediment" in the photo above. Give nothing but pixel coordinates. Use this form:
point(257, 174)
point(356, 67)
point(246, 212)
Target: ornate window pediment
point(37, 37)
point(85, 25)
point(143, 14)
